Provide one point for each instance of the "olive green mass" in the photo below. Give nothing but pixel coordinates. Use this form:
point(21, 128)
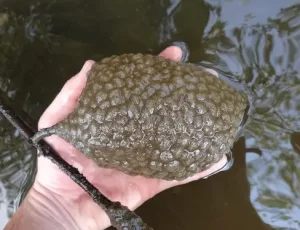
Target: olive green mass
point(149, 116)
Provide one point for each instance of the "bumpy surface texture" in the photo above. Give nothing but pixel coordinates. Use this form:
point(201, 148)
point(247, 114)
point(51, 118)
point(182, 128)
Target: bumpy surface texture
point(145, 115)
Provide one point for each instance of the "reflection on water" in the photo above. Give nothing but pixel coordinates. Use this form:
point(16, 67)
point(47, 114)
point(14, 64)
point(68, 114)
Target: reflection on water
point(266, 58)
point(15, 165)
point(15, 154)
point(254, 42)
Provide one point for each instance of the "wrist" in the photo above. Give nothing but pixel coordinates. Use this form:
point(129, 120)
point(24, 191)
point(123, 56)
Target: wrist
point(41, 210)
point(66, 210)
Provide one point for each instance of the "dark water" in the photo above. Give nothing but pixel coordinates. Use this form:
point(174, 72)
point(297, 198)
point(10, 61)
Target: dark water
point(255, 42)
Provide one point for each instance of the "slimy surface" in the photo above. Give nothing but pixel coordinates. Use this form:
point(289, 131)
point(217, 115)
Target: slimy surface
point(145, 115)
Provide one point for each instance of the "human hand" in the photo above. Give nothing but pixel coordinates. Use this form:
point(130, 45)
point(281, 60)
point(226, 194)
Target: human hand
point(64, 199)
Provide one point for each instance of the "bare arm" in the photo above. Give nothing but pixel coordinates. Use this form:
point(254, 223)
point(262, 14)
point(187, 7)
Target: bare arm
point(41, 211)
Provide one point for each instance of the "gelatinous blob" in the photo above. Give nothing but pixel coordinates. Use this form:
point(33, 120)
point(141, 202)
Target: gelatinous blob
point(154, 117)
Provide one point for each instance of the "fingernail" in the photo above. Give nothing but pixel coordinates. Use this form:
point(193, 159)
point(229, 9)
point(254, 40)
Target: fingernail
point(226, 167)
point(87, 66)
point(213, 72)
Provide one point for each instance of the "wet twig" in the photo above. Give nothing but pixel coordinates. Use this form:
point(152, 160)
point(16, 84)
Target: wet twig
point(120, 216)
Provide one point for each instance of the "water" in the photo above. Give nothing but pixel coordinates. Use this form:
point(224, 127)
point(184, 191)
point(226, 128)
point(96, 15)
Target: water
point(255, 42)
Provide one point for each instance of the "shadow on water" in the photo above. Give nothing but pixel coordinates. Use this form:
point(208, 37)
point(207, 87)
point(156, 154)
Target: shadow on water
point(219, 202)
point(266, 58)
point(251, 42)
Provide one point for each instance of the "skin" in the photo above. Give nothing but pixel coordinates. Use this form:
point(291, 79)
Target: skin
point(56, 202)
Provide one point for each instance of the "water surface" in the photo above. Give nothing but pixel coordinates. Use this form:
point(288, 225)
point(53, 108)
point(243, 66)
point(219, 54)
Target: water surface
point(253, 42)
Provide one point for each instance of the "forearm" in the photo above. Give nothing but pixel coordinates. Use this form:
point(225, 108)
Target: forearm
point(41, 212)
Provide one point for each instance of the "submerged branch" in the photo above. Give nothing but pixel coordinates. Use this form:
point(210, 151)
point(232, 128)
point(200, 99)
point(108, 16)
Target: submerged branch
point(120, 216)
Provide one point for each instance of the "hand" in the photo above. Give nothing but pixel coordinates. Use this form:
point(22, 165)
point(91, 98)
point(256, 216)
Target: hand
point(65, 200)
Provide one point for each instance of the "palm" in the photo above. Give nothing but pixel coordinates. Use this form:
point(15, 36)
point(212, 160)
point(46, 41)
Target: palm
point(130, 191)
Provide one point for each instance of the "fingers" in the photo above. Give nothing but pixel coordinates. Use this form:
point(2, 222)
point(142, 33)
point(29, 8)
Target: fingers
point(172, 52)
point(175, 53)
point(216, 167)
point(212, 72)
point(66, 100)
point(219, 165)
